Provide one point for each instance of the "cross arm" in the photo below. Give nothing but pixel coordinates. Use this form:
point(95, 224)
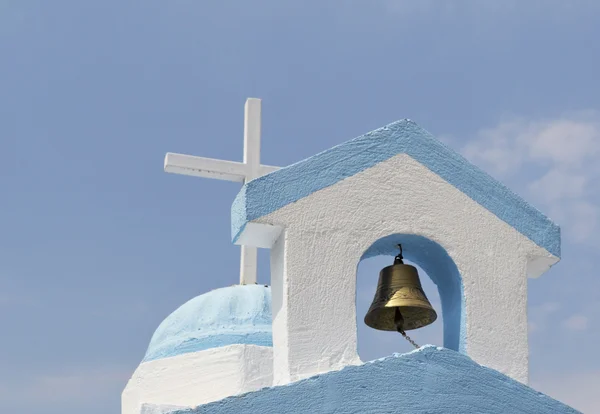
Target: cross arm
point(210, 167)
point(205, 167)
point(266, 169)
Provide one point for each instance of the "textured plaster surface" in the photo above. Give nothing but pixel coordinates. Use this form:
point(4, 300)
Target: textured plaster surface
point(238, 314)
point(479, 262)
point(273, 191)
point(197, 378)
point(159, 409)
point(430, 380)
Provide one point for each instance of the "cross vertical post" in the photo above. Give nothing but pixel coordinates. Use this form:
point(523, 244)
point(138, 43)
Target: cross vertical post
point(252, 126)
point(243, 172)
point(252, 129)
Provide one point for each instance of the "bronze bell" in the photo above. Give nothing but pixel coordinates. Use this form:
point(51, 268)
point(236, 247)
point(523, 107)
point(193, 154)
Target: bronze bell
point(400, 303)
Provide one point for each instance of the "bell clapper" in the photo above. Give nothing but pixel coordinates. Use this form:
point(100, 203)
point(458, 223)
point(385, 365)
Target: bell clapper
point(399, 322)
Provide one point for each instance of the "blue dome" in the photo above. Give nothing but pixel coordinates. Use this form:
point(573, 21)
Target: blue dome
point(238, 314)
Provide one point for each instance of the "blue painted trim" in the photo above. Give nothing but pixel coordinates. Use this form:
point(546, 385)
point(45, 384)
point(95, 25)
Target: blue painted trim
point(210, 342)
point(273, 191)
point(227, 316)
point(442, 270)
point(429, 380)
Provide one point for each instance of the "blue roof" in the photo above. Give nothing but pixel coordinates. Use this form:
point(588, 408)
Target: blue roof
point(429, 380)
point(273, 191)
point(238, 314)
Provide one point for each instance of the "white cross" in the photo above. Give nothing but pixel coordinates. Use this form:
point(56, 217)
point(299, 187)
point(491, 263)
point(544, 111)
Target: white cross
point(232, 171)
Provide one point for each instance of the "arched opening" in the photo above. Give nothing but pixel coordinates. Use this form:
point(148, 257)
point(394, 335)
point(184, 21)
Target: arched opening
point(442, 284)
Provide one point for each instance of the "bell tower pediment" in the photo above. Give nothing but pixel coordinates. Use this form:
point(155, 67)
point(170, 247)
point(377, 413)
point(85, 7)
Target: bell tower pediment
point(476, 239)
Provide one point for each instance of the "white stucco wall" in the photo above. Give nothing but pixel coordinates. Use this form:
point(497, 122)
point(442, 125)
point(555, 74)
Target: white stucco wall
point(315, 257)
point(197, 378)
point(160, 409)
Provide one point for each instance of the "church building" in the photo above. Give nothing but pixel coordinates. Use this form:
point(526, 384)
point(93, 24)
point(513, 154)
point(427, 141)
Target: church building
point(291, 347)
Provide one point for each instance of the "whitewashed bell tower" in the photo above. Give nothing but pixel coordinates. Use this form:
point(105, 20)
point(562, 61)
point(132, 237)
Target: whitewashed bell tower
point(476, 239)
point(292, 347)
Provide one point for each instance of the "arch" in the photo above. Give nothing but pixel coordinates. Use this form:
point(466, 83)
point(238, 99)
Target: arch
point(442, 270)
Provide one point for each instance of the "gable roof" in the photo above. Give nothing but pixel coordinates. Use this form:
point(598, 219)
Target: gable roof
point(273, 191)
point(428, 380)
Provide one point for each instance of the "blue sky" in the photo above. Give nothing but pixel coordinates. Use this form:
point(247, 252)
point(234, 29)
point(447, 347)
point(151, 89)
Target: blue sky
point(98, 244)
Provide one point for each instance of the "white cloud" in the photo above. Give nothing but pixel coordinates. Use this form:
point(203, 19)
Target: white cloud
point(580, 391)
point(549, 307)
point(557, 185)
point(499, 148)
point(564, 142)
point(555, 163)
point(580, 218)
point(576, 323)
point(538, 315)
